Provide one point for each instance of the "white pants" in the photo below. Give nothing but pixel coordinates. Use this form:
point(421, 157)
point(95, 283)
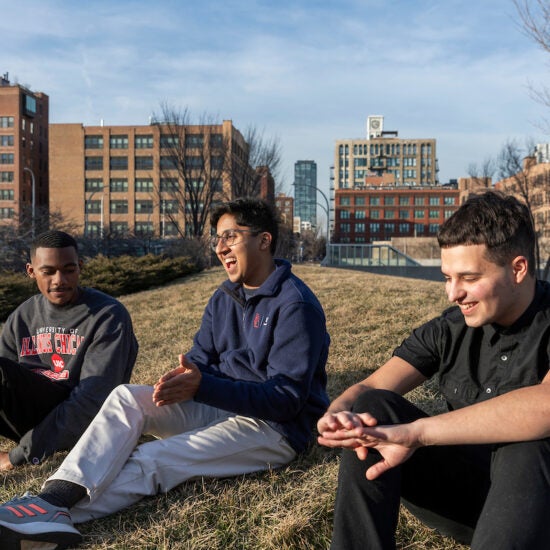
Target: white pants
point(196, 440)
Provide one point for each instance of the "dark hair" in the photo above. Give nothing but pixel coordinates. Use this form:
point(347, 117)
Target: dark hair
point(53, 239)
point(501, 222)
point(250, 212)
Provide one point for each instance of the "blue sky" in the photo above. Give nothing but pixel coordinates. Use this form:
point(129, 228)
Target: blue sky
point(306, 72)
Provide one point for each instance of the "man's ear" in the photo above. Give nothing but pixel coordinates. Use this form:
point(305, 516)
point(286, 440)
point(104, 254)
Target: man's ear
point(30, 271)
point(265, 240)
point(520, 267)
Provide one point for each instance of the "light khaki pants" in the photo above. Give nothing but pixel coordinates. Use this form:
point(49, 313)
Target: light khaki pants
point(194, 440)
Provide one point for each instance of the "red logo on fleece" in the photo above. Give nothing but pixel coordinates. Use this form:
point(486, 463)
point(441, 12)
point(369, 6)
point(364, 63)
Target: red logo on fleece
point(58, 363)
point(257, 320)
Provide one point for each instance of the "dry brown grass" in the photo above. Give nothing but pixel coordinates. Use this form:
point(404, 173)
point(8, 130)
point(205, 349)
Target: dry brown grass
point(291, 508)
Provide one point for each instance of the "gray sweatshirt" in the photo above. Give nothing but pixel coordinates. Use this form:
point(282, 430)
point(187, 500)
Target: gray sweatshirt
point(89, 347)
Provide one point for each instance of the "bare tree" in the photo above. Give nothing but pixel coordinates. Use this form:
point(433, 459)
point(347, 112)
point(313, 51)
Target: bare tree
point(261, 151)
point(482, 175)
point(515, 166)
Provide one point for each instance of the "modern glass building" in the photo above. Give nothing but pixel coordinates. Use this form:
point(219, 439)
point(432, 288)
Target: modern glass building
point(305, 192)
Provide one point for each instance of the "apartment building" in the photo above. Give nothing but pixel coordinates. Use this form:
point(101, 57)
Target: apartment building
point(128, 180)
point(305, 192)
point(285, 208)
point(410, 162)
point(380, 212)
point(24, 116)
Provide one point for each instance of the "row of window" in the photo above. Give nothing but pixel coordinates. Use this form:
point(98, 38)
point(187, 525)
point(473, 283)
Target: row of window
point(145, 185)
point(142, 162)
point(404, 200)
point(390, 214)
point(377, 149)
point(94, 229)
point(121, 206)
point(388, 228)
point(147, 141)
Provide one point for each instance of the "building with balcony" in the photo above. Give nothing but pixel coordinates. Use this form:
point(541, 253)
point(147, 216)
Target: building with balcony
point(24, 116)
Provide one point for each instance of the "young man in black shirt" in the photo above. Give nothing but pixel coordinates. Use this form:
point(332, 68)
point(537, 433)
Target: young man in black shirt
point(480, 472)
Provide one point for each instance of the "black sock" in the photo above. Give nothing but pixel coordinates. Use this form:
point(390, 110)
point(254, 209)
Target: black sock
point(65, 494)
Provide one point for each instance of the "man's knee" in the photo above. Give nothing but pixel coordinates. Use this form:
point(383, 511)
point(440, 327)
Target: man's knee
point(387, 407)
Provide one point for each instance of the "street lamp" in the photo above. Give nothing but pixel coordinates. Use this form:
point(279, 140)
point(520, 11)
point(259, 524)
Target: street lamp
point(33, 198)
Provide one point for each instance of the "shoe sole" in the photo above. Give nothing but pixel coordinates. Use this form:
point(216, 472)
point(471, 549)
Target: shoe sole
point(10, 539)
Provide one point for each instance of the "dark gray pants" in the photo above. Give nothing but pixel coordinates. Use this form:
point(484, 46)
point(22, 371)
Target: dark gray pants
point(489, 496)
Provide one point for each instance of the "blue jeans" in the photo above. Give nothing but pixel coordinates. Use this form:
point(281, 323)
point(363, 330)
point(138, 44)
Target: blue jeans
point(489, 496)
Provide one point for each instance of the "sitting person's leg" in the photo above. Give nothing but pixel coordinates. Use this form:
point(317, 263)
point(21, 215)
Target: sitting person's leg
point(515, 514)
point(26, 398)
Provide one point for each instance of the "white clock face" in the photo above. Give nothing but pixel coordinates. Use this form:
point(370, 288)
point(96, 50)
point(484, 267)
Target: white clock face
point(375, 124)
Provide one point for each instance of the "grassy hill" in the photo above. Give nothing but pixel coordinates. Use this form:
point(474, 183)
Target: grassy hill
point(291, 508)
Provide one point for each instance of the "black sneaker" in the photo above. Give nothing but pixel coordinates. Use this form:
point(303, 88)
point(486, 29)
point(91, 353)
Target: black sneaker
point(28, 522)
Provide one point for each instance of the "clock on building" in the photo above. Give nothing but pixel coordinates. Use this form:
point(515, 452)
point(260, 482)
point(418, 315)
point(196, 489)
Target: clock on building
point(375, 124)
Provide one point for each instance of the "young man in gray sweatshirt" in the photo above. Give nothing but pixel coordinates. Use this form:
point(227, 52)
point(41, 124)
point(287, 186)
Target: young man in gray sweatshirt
point(61, 353)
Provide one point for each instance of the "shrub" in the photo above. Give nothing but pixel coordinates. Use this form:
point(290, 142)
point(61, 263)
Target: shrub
point(115, 276)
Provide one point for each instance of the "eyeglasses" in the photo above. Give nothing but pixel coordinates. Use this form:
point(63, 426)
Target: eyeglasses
point(230, 237)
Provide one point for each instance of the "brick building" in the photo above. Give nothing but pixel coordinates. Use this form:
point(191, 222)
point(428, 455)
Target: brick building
point(23, 155)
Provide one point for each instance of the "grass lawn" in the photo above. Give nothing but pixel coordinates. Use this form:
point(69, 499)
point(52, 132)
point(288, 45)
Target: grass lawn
point(290, 508)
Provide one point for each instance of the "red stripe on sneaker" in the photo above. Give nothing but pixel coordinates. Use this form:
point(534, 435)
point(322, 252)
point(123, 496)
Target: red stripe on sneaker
point(39, 509)
point(15, 511)
point(26, 510)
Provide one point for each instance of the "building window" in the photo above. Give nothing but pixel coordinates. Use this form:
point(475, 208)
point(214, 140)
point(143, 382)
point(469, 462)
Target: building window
point(93, 163)
point(169, 162)
point(169, 184)
point(93, 207)
point(93, 142)
point(168, 227)
point(374, 201)
point(118, 163)
point(418, 201)
point(360, 214)
point(171, 206)
point(6, 141)
point(144, 229)
point(194, 162)
point(344, 214)
point(418, 214)
point(6, 177)
point(403, 201)
point(168, 141)
point(403, 214)
point(434, 214)
point(93, 184)
point(216, 141)
point(448, 201)
point(144, 207)
point(144, 163)
point(359, 201)
point(389, 201)
point(375, 214)
point(119, 207)
point(216, 162)
point(389, 228)
point(345, 227)
point(6, 158)
point(92, 229)
point(6, 194)
point(217, 185)
point(389, 214)
point(374, 228)
point(118, 142)
point(435, 201)
point(144, 185)
point(433, 228)
point(359, 227)
point(118, 185)
point(448, 214)
point(194, 140)
point(403, 228)
point(345, 201)
point(119, 228)
point(7, 213)
point(143, 142)
point(6, 122)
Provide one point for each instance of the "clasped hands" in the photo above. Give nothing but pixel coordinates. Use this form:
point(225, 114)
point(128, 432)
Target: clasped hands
point(179, 384)
point(360, 432)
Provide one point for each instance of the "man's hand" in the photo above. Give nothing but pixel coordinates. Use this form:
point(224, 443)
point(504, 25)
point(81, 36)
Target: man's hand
point(180, 384)
point(360, 433)
point(5, 463)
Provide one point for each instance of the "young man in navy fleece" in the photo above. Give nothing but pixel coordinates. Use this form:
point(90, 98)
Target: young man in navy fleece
point(244, 398)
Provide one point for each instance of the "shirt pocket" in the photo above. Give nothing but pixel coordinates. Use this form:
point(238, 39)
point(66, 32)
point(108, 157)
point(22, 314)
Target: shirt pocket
point(458, 392)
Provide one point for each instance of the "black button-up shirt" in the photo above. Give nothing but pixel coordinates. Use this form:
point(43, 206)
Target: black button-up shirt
point(475, 364)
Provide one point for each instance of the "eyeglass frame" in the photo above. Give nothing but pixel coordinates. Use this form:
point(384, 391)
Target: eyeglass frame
point(215, 239)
